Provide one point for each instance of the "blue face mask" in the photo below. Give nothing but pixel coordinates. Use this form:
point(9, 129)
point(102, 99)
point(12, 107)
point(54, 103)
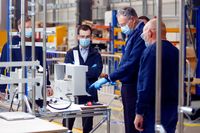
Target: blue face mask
point(84, 42)
point(28, 34)
point(147, 44)
point(126, 30)
point(144, 38)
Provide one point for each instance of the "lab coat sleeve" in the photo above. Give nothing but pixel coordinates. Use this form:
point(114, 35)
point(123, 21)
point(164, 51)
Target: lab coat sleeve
point(132, 62)
point(146, 82)
point(95, 70)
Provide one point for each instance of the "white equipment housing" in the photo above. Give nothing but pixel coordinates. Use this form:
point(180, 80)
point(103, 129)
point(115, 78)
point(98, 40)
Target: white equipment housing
point(70, 80)
point(18, 74)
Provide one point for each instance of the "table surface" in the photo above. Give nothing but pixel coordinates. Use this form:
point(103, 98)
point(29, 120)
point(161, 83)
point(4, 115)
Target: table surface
point(35, 125)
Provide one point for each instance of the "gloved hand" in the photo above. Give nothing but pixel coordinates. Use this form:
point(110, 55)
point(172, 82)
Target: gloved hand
point(113, 83)
point(98, 83)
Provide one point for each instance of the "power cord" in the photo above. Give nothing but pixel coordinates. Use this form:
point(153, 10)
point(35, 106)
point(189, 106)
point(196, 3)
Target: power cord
point(18, 105)
point(51, 100)
point(194, 116)
point(11, 104)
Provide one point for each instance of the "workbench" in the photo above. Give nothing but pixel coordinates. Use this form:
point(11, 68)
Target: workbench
point(84, 111)
point(35, 125)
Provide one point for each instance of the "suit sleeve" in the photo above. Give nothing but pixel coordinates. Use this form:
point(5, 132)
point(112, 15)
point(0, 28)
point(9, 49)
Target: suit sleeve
point(48, 81)
point(132, 62)
point(146, 83)
point(95, 70)
point(69, 57)
point(2, 69)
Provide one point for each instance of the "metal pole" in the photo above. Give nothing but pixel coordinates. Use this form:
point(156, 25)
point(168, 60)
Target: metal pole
point(10, 31)
point(44, 55)
point(54, 14)
point(98, 125)
point(144, 7)
point(188, 83)
point(33, 53)
point(130, 3)
point(78, 12)
point(158, 66)
point(108, 6)
point(23, 49)
point(181, 64)
point(153, 5)
point(108, 120)
point(176, 6)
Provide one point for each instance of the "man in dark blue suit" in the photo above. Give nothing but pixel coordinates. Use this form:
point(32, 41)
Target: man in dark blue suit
point(127, 72)
point(145, 105)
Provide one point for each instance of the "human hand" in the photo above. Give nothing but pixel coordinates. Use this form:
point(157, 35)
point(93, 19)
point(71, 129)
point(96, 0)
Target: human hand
point(98, 84)
point(2, 96)
point(113, 83)
point(49, 91)
point(138, 122)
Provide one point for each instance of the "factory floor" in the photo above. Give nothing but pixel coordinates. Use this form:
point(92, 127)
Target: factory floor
point(117, 123)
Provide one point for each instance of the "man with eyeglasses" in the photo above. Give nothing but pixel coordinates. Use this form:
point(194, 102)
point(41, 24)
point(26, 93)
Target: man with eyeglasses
point(145, 105)
point(127, 72)
point(91, 57)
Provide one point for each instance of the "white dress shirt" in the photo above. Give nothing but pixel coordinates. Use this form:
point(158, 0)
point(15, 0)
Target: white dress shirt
point(84, 52)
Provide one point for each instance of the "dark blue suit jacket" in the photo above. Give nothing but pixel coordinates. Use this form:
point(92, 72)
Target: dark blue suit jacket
point(95, 66)
point(127, 72)
point(146, 79)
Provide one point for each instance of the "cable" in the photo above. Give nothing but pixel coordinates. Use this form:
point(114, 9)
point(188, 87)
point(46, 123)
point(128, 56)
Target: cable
point(11, 104)
point(70, 103)
point(194, 117)
point(18, 105)
point(189, 118)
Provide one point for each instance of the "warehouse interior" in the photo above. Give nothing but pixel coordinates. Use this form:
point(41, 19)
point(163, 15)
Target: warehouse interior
point(54, 32)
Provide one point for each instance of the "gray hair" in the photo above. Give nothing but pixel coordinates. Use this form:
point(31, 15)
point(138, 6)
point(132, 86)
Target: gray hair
point(128, 12)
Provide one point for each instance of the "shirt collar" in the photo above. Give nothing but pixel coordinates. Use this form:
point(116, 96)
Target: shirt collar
point(137, 26)
point(81, 48)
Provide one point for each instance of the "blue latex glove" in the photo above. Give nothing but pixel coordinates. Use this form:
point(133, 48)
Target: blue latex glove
point(113, 83)
point(97, 85)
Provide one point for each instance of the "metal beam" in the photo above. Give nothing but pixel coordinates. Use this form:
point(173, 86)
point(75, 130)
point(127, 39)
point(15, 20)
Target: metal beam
point(44, 55)
point(181, 63)
point(19, 63)
point(158, 67)
point(23, 48)
point(144, 7)
point(10, 30)
point(33, 53)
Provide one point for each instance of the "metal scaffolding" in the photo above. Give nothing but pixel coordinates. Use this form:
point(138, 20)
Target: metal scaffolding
point(24, 63)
